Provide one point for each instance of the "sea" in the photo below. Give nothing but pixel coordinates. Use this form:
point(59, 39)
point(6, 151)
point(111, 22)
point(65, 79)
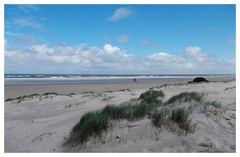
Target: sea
point(34, 79)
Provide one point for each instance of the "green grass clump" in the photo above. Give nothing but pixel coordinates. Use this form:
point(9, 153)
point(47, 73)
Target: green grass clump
point(116, 112)
point(181, 117)
point(50, 93)
point(151, 96)
point(123, 90)
point(185, 97)
point(9, 99)
point(214, 104)
point(159, 117)
point(176, 120)
point(94, 123)
point(71, 94)
point(139, 111)
point(21, 98)
point(128, 111)
point(91, 124)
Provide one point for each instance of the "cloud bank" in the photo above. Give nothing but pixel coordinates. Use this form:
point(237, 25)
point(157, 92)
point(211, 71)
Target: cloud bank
point(63, 58)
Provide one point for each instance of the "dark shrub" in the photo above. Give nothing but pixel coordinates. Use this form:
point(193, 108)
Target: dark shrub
point(199, 80)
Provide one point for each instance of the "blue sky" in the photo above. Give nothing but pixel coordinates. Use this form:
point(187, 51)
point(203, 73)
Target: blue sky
point(121, 39)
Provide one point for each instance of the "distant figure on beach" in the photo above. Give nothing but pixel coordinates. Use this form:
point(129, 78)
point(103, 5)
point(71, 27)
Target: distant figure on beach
point(134, 80)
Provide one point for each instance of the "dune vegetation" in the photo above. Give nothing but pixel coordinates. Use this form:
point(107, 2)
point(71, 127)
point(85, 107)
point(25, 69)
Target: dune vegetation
point(149, 105)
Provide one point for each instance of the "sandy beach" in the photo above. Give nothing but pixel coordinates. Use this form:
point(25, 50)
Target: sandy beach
point(43, 122)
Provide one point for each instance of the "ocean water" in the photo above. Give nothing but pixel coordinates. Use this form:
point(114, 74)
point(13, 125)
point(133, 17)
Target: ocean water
point(30, 79)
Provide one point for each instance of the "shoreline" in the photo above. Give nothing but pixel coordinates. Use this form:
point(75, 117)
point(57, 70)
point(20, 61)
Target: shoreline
point(66, 88)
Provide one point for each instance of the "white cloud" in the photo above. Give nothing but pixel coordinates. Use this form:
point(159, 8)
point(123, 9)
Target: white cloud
point(120, 13)
point(195, 50)
point(16, 54)
point(168, 58)
point(112, 59)
point(110, 49)
point(123, 38)
point(42, 49)
point(197, 53)
point(28, 22)
point(160, 56)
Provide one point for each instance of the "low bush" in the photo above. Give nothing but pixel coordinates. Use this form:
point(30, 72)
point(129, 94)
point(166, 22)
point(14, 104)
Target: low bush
point(198, 80)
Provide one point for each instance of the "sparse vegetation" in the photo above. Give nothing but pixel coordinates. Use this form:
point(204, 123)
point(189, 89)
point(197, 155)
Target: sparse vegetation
point(115, 112)
point(107, 98)
point(176, 120)
point(185, 97)
point(22, 98)
point(50, 93)
point(228, 88)
point(123, 90)
point(180, 116)
point(152, 96)
point(81, 131)
point(71, 94)
point(160, 117)
point(91, 124)
point(149, 104)
point(10, 99)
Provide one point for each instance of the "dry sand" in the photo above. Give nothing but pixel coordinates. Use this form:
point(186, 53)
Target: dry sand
point(42, 124)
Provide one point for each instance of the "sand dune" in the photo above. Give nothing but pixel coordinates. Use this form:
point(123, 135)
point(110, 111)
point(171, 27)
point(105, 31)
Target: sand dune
point(42, 123)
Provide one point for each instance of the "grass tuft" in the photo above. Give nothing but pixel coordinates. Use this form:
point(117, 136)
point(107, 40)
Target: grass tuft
point(159, 117)
point(185, 97)
point(152, 96)
point(181, 117)
point(9, 99)
point(91, 124)
point(21, 98)
point(50, 93)
point(94, 123)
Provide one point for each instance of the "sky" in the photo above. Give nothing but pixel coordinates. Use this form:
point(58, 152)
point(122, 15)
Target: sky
point(120, 39)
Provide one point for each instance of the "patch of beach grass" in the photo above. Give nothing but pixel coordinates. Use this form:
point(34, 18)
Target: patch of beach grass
point(229, 88)
point(10, 99)
point(152, 96)
point(108, 98)
point(177, 120)
point(22, 98)
point(116, 112)
point(90, 124)
point(94, 123)
point(71, 94)
point(149, 104)
point(123, 90)
point(180, 116)
point(160, 117)
point(185, 97)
